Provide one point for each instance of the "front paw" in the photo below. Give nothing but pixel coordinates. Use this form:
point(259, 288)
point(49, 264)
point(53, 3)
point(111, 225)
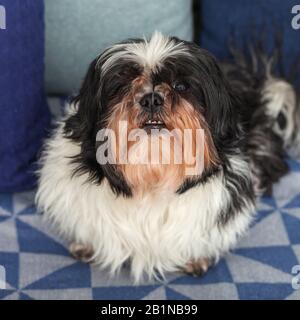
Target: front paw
point(197, 267)
point(81, 252)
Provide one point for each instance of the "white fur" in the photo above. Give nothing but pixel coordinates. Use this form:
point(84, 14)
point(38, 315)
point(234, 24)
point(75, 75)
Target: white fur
point(281, 97)
point(158, 233)
point(149, 54)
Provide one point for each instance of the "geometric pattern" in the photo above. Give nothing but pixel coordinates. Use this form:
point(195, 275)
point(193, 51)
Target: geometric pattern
point(38, 265)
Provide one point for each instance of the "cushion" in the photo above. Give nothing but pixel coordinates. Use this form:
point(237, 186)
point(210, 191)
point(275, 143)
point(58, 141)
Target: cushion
point(78, 30)
point(24, 113)
point(245, 18)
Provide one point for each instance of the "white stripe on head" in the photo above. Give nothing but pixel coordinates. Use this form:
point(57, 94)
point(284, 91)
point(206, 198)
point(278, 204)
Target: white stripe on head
point(149, 54)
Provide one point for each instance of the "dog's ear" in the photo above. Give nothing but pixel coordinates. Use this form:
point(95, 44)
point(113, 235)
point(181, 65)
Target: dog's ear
point(224, 111)
point(221, 102)
point(81, 125)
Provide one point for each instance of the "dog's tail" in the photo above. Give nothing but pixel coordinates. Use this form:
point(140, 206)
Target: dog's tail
point(282, 98)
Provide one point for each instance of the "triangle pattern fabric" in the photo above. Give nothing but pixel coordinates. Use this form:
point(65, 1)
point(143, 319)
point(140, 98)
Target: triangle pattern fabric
point(24, 296)
point(262, 214)
point(58, 294)
point(28, 211)
point(295, 212)
point(4, 214)
point(8, 295)
point(287, 189)
point(296, 249)
point(100, 278)
point(294, 296)
point(264, 206)
point(32, 240)
point(294, 203)
point(172, 294)
point(40, 266)
point(280, 257)
point(269, 201)
point(217, 291)
point(8, 236)
point(38, 222)
point(294, 165)
point(249, 270)
point(268, 232)
point(157, 294)
point(7, 286)
point(6, 202)
point(3, 218)
point(76, 275)
point(23, 201)
point(258, 291)
point(292, 225)
point(10, 262)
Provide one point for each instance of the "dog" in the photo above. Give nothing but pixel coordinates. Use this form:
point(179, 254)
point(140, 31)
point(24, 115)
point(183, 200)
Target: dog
point(155, 217)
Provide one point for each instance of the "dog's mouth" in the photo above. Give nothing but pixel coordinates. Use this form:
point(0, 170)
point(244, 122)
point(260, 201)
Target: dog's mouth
point(153, 124)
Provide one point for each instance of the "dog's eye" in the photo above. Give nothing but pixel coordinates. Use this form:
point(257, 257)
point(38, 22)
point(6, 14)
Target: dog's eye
point(180, 86)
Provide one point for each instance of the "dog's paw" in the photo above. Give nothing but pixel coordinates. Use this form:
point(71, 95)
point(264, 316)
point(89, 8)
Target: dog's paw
point(197, 267)
point(81, 252)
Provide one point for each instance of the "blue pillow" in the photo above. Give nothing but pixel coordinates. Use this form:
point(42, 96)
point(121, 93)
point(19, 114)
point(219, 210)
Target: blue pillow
point(24, 113)
point(245, 18)
point(78, 30)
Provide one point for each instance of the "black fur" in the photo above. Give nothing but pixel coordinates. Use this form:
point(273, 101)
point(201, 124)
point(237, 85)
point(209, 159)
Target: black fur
point(265, 149)
point(229, 97)
point(93, 105)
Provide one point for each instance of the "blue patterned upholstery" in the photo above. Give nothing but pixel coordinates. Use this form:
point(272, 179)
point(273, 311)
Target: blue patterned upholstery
point(38, 265)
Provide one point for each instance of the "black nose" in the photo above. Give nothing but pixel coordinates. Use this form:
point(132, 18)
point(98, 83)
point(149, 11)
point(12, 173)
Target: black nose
point(152, 102)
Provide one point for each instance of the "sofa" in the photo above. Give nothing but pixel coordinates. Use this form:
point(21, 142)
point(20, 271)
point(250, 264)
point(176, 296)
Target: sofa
point(52, 51)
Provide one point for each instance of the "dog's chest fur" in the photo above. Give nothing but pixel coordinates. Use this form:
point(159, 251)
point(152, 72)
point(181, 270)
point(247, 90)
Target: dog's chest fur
point(155, 233)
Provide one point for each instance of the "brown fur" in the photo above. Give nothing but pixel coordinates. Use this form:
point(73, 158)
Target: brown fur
point(176, 115)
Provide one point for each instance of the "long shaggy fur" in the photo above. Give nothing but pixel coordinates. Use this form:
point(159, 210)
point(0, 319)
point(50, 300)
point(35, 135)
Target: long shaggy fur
point(162, 229)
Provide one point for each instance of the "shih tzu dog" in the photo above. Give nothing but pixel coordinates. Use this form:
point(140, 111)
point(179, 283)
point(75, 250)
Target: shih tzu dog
point(157, 217)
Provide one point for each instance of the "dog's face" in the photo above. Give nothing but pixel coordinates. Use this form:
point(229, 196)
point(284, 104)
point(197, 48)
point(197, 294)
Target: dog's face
point(159, 85)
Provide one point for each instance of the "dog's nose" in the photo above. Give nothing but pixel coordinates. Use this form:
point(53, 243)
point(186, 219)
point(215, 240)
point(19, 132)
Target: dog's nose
point(152, 102)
